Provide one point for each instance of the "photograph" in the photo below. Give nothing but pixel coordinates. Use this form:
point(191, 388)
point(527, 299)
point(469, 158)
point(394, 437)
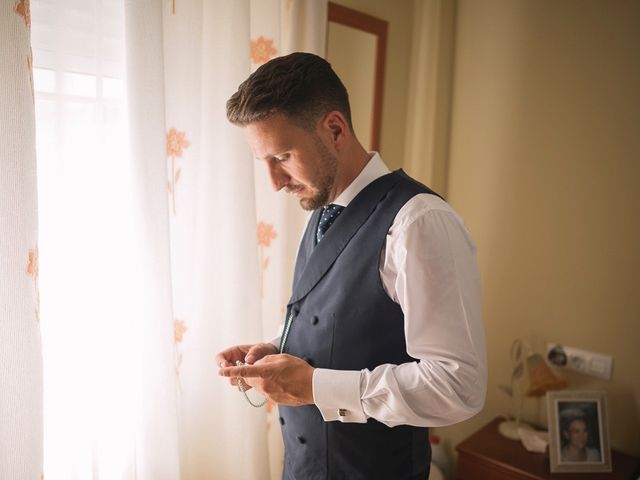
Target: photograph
point(578, 432)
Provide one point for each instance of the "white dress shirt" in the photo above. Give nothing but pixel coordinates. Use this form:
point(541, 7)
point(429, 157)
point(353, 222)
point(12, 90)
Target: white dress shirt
point(428, 267)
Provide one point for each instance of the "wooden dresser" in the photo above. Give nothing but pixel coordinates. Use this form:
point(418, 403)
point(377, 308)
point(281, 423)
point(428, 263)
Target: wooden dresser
point(487, 455)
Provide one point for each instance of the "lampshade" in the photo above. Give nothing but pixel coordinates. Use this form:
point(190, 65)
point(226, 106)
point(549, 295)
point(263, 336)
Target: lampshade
point(541, 378)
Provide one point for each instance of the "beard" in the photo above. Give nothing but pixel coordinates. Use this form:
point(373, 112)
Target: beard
point(324, 179)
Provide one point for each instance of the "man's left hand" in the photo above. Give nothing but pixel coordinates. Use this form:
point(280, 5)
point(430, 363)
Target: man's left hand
point(282, 378)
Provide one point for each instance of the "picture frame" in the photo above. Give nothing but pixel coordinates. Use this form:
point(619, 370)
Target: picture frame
point(578, 431)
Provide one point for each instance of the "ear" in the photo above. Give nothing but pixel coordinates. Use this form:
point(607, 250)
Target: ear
point(336, 126)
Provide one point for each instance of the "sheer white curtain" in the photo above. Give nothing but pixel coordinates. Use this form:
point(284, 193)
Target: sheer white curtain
point(232, 240)
point(153, 252)
point(20, 351)
point(107, 413)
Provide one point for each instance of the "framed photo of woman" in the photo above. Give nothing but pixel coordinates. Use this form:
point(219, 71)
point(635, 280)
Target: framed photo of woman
point(578, 432)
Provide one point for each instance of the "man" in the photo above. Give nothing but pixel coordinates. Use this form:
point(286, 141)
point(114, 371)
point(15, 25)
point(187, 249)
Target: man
point(383, 334)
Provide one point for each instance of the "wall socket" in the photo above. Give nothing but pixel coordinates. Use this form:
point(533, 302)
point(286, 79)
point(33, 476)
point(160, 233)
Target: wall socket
point(589, 363)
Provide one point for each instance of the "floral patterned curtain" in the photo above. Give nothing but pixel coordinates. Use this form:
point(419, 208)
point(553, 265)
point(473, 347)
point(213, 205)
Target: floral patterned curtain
point(20, 349)
point(233, 241)
point(162, 241)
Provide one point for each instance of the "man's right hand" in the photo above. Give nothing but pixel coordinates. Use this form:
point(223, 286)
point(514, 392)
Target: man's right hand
point(245, 353)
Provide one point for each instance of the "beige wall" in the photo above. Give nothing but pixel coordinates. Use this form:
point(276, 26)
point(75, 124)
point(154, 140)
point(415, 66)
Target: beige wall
point(545, 169)
point(399, 14)
point(360, 81)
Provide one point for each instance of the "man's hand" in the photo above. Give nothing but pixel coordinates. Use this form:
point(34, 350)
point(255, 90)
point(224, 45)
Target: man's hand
point(245, 353)
point(282, 378)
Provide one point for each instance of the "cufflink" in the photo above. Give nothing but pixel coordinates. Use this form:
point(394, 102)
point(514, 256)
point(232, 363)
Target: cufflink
point(342, 412)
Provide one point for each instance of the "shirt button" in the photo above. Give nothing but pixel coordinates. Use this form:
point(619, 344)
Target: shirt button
point(314, 320)
point(302, 440)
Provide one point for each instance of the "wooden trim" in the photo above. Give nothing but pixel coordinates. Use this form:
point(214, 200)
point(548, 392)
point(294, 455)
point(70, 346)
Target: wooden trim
point(362, 21)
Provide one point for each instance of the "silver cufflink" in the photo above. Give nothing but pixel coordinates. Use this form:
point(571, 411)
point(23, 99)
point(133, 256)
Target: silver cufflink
point(342, 412)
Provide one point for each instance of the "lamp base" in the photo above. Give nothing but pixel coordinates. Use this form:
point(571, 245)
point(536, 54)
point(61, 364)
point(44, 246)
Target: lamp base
point(509, 428)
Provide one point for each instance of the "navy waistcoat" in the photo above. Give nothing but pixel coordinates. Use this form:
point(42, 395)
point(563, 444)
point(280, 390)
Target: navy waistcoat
point(343, 319)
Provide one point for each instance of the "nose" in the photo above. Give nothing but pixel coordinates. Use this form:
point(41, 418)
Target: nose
point(279, 178)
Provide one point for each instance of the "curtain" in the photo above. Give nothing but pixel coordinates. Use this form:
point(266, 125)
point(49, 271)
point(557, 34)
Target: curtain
point(110, 405)
point(20, 350)
point(160, 241)
point(430, 79)
point(233, 241)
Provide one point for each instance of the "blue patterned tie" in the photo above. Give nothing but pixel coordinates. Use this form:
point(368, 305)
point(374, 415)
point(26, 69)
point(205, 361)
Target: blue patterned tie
point(328, 216)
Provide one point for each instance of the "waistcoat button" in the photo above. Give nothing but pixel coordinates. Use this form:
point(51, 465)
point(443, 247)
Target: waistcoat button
point(301, 439)
point(281, 421)
point(314, 320)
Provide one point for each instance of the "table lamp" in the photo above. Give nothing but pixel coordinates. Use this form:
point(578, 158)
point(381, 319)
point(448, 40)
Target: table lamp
point(541, 380)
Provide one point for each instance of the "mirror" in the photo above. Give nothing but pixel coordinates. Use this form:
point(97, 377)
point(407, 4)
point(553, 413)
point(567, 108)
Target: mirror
point(356, 49)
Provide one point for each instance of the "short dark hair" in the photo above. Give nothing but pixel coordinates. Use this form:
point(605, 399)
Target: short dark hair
point(300, 86)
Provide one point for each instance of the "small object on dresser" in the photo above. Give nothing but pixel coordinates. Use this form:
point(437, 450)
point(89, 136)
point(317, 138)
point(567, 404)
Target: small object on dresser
point(530, 370)
point(579, 432)
point(439, 456)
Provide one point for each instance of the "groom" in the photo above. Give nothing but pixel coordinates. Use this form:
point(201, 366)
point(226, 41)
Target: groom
point(383, 334)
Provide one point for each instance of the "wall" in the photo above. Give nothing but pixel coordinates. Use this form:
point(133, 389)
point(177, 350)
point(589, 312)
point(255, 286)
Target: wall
point(399, 14)
point(545, 169)
point(358, 77)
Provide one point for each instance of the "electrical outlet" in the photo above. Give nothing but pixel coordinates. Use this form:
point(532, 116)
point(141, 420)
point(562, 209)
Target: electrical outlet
point(589, 363)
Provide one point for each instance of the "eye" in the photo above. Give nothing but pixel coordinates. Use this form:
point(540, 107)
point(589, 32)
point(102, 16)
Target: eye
point(281, 158)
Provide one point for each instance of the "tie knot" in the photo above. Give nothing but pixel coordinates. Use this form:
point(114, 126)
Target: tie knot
point(327, 217)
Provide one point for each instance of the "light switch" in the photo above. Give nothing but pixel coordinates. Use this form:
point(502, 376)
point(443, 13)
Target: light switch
point(598, 366)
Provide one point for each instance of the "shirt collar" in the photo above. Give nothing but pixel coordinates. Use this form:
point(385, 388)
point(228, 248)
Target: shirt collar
point(375, 168)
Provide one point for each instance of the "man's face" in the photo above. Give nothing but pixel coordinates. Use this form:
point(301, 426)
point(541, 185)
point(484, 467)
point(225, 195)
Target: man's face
point(297, 159)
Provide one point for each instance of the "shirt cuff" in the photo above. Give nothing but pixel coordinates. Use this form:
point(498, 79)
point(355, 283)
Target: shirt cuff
point(336, 393)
